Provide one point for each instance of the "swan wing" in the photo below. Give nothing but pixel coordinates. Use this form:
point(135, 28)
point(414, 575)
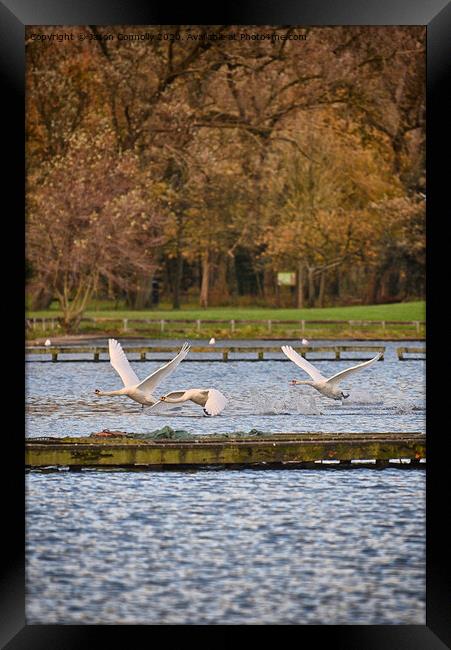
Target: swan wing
point(216, 402)
point(149, 384)
point(175, 394)
point(121, 364)
point(335, 379)
point(302, 363)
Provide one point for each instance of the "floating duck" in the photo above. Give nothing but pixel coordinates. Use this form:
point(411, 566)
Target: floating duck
point(48, 342)
point(212, 341)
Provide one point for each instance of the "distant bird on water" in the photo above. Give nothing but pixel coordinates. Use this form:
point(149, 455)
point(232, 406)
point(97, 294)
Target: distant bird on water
point(139, 391)
point(48, 342)
point(304, 342)
point(212, 341)
point(327, 387)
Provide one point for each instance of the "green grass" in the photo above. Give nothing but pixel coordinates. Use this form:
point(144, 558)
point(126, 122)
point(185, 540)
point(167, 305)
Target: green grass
point(409, 311)
point(396, 311)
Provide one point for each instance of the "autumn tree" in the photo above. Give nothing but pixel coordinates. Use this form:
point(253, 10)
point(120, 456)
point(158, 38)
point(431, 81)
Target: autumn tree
point(274, 152)
point(91, 217)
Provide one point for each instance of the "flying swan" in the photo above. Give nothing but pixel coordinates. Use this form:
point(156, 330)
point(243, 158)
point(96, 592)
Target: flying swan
point(327, 387)
point(212, 400)
point(139, 391)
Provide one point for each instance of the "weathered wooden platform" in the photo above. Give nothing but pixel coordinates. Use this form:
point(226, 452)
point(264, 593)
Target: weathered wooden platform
point(401, 352)
point(283, 449)
point(94, 353)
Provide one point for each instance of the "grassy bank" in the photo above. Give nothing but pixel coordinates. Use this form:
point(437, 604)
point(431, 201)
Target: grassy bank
point(409, 311)
point(396, 311)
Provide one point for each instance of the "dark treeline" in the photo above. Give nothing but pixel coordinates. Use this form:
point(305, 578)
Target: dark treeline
point(212, 165)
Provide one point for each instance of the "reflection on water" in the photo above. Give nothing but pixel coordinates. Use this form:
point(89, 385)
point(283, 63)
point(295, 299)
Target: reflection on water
point(235, 547)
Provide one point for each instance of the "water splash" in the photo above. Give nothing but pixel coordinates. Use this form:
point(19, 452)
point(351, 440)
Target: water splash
point(362, 396)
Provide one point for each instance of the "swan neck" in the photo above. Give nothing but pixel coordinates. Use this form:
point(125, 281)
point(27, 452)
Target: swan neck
point(176, 400)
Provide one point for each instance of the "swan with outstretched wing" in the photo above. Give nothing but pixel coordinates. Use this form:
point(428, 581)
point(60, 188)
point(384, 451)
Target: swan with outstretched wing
point(139, 391)
point(327, 387)
point(211, 399)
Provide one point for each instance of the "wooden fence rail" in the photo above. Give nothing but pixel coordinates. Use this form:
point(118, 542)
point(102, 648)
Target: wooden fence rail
point(163, 324)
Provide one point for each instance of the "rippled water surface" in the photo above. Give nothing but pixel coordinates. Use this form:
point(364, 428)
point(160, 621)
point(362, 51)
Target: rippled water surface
point(220, 546)
point(388, 396)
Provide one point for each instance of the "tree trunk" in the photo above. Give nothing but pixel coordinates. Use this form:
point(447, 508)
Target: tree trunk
point(311, 287)
point(178, 266)
point(300, 292)
point(41, 298)
point(231, 276)
point(322, 287)
point(143, 291)
point(374, 287)
point(204, 287)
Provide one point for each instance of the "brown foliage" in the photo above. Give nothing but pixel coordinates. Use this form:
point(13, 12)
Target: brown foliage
point(299, 154)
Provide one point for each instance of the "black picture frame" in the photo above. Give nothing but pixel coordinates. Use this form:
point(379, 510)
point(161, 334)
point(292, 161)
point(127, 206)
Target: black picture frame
point(436, 15)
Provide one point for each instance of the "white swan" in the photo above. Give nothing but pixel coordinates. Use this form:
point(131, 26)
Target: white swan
point(327, 387)
point(212, 400)
point(139, 391)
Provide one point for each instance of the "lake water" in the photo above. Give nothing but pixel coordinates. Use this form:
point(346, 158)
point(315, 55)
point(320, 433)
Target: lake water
point(388, 396)
point(222, 546)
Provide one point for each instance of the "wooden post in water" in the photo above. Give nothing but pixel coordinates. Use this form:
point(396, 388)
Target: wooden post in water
point(225, 355)
point(124, 323)
point(232, 326)
point(161, 325)
point(96, 354)
point(269, 326)
point(143, 356)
